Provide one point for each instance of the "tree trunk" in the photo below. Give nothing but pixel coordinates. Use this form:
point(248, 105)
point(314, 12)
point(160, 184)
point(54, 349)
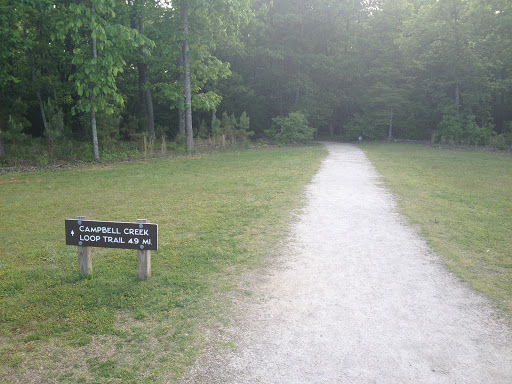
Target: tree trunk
point(500, 123)
point(181, 109)
point(146, 89)
point(142, 97)
point(331, 128)
point(134, 24)
point(151, 115)
point(14, 95)
point(457, 99)
point(390, 132)
point(299, 69)
point(45, 123)
point(2, 150)
point(93, 112)
point(181, 117)
point(94, 136)
point(46, 131)
point(187, 90)
point(145, 97)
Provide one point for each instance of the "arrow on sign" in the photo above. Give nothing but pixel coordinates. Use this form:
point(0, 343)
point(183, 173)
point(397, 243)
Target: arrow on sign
point(72, 233)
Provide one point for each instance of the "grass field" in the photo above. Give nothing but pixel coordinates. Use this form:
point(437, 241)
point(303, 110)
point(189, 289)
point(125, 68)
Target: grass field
point(218, 215)
point(462, 201)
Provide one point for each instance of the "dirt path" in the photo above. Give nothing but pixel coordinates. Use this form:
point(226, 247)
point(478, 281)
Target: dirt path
point(358, 298)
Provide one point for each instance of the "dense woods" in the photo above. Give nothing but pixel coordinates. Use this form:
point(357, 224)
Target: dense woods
point(81, 79)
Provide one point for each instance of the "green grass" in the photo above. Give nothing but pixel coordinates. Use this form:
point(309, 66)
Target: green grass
point(462, 201)
point(218, 216)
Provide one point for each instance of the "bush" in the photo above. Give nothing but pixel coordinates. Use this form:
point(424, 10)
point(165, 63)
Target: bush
point(475, 134)
point(501, 142)
point(243, 132)
point(463, 130)
point(203, 133)
point(228, 126)
point(366, 126)
point(450, 130)
point(293, 129)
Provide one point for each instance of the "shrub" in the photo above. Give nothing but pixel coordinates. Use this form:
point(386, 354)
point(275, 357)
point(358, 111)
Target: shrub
point(243, 132)
point(228, 126)
point(366, 126)
point(464, 130)
point(450, 130)
point(475, 134)
point(501, 142)
point(292, 129)
point(203, 130)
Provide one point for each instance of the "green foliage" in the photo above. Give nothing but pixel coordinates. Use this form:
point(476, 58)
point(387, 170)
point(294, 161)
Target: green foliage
point(292, 129)
point(243, 132)
point(14, 130)
point(216, 127)
point(14, 134)
point(228, 127)
point(108, 129)
point(229, 131)
point(365, 126)
point(463, 130)
point(95, 78)
point(502, 142)
point(203, 130)
point(475, 134)
point(55, 117)
point(450, 130)
point(350, 67)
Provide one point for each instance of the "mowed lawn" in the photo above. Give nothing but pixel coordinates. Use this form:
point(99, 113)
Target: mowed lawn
point(218, 215)
point(462, 202)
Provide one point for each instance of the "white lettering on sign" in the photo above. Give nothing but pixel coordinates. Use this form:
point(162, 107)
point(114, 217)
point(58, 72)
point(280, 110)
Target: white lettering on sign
point(136, 231)
point(89, 238)
point(110, 239)
point(114, 231)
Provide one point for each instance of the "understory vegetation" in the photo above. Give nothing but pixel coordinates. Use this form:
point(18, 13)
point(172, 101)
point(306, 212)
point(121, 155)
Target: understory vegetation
point(462, 202)
point(218, 215)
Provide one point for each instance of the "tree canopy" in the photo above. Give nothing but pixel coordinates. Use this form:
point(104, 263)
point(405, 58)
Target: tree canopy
point(93, 73)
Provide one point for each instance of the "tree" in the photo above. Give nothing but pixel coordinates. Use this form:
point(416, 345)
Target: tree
point(186, 78)
point(385, 83)
point(438, 43)
point(206, 25)
point(386, 68)
point(137, 18)
point(99, 45)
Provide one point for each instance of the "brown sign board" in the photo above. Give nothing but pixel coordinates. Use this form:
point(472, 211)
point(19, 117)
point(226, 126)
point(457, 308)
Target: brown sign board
point(112, 234)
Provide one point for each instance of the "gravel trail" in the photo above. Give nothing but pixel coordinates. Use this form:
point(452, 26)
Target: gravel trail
point(358, 297)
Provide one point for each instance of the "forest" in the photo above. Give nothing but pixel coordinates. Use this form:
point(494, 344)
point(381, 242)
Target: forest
point(89, 79)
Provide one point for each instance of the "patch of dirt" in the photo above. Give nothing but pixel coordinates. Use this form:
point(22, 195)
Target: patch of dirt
point(10, 181)
point(96, 168)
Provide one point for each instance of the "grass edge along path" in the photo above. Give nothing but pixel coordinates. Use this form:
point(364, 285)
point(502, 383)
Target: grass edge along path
point(218, 215)
point(462, 203)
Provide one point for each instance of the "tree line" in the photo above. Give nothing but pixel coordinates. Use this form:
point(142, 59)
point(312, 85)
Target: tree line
point(82, 76)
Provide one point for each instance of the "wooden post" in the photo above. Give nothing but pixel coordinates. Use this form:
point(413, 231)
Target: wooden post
point(84, 256)
point(143, 259)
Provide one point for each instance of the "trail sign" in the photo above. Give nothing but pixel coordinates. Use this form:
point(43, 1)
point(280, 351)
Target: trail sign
point(112, 234)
